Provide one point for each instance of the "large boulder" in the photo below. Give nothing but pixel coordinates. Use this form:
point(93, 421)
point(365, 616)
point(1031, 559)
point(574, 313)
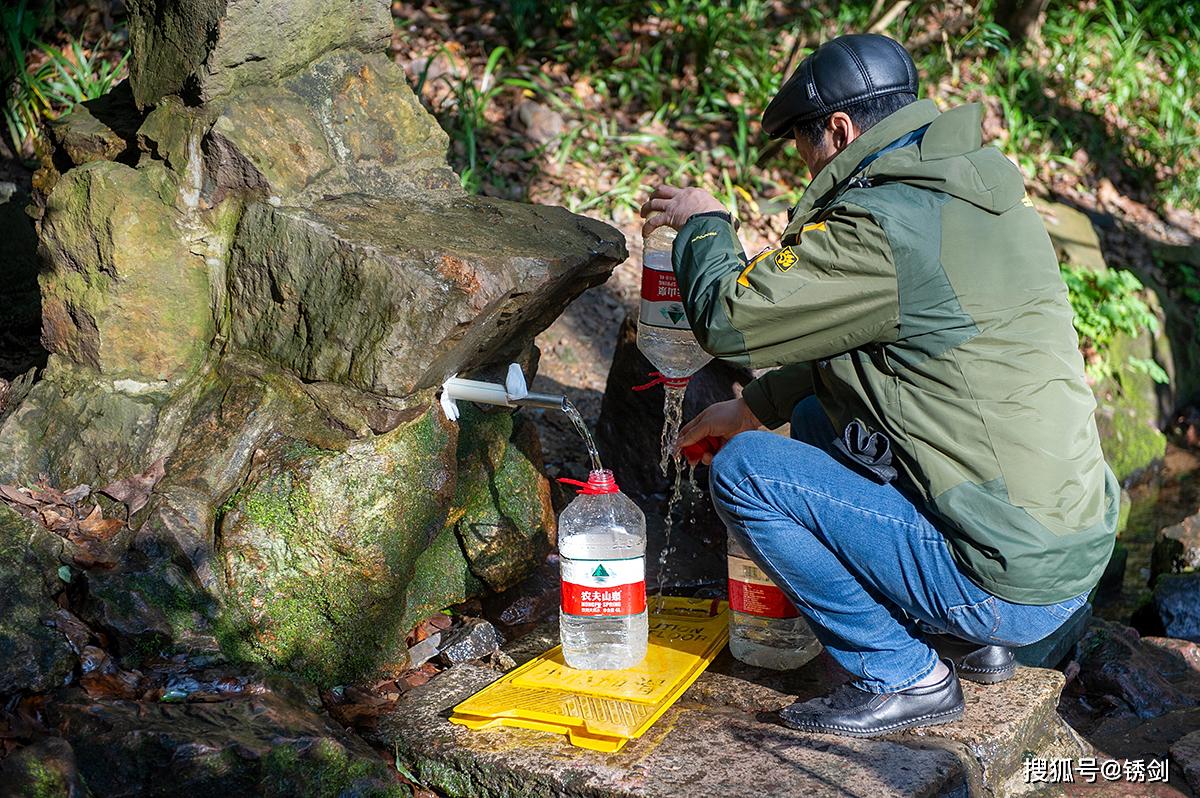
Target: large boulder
point(353, 125)
point(123, 293)
point(201, 49)
point(257, 280)
point(294, 272)
point(318, 547)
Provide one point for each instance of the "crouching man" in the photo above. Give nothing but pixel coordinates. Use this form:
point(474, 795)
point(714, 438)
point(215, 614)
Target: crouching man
point(944, 472)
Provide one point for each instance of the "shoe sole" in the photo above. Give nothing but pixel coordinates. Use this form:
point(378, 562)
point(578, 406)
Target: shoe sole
point(985, 677)
point(916, 723)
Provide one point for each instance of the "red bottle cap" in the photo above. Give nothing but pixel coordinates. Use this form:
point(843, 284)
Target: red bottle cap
point(598, 484)
point(706, 445)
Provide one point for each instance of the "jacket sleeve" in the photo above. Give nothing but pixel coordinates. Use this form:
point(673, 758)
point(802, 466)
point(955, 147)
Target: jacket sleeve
point(833, 290)
point(774, 395)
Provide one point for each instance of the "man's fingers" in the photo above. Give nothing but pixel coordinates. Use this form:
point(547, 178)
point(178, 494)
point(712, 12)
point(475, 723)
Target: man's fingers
point(653, 223)
point(655, 204)
point(693, 431)
point(665, 192)
point(706, 459)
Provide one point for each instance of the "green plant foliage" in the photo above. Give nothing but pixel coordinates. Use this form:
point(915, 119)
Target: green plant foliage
point(680, 85)
point(61, 78)
point(1106, 304)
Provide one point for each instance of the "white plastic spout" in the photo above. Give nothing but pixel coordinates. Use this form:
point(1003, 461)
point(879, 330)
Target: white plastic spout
point(514, 393)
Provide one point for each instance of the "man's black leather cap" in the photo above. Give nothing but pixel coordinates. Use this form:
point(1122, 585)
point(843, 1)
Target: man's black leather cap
point(838, 74)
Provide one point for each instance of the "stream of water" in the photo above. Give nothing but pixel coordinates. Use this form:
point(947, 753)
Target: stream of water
point(577, 419)
point(672, 420)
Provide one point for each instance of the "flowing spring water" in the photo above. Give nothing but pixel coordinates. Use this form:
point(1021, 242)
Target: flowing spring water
point(672, 419)
point(577, 419)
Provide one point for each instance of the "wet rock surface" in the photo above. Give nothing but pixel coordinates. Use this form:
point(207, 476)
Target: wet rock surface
point(269, 741)
point(33, 654)
point(1177, 548)
point(1177, 602)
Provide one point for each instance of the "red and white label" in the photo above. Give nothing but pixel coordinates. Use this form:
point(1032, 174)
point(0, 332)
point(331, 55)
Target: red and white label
point(751, 591)
point(604, 587)
point(662, 305)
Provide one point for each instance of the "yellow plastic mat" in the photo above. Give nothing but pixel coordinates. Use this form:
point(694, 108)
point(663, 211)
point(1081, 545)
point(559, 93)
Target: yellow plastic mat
point(603, 710)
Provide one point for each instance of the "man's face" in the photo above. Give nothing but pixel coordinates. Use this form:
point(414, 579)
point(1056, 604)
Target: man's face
point(839, 131)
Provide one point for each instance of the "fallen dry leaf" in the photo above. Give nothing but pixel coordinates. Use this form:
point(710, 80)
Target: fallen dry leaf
point(13, 494)
point(121, 684)
point(55, 521)
point(135, 491)
point(97, 527)
point(77, 494)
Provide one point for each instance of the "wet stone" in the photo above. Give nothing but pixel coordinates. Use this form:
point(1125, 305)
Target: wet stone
point(474, 640)
point(424, 651)
point(1178, 547)
point(1121, 670)
point(1186, 752)
point(1177, 601)
point(45, 769)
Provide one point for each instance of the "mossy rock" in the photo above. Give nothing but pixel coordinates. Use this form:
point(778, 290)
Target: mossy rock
point(319, 549)
point(1128, 413)
point(123, 292)
point(502, 510)
point(78, 427)
point(33, 656)
point(43, 769)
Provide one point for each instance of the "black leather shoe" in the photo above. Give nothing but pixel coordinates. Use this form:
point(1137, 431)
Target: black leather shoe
point(976, 663)
point(856, 713)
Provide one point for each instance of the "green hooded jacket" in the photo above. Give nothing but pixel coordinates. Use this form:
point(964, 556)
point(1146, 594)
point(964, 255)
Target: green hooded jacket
point(920, 296)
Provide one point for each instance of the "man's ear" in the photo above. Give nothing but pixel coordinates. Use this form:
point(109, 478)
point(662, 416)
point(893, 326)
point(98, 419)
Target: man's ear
point(842, 130)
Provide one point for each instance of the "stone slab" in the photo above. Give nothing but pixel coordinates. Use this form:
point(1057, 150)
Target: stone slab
point(693, 750)
point(721, 730)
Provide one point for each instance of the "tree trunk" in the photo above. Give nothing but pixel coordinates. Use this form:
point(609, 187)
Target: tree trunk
point(1021, 18)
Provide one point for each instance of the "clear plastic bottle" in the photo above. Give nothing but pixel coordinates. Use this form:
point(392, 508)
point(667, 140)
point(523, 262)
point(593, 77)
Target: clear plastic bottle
point(765, 628)
point(664, 335)
point(602, 548)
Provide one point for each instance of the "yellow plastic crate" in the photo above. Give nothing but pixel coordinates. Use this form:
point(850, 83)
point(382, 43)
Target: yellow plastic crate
point(603, 710)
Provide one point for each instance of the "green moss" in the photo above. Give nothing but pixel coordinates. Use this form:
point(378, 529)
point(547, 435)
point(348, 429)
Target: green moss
point(326, 770)
point(321, 548)
point(1130, 440)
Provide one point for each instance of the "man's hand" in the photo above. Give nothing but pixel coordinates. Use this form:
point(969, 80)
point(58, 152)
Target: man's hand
point(672, 207)
point(722, 421)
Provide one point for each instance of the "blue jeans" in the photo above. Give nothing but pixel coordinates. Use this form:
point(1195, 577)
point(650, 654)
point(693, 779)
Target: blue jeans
point(858, 558)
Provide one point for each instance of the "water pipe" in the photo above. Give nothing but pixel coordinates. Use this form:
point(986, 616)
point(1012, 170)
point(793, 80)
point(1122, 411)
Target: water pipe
point(513, 393)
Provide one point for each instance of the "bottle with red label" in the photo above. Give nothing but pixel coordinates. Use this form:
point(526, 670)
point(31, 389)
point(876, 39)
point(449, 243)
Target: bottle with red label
point(602, 549)
point(664, 334)
point(765, 628)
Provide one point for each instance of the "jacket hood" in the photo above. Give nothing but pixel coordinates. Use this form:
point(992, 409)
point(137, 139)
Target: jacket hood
point(950, 158)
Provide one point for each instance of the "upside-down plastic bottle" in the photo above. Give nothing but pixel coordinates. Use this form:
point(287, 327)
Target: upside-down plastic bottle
point(602, 548)
point(663, 334)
